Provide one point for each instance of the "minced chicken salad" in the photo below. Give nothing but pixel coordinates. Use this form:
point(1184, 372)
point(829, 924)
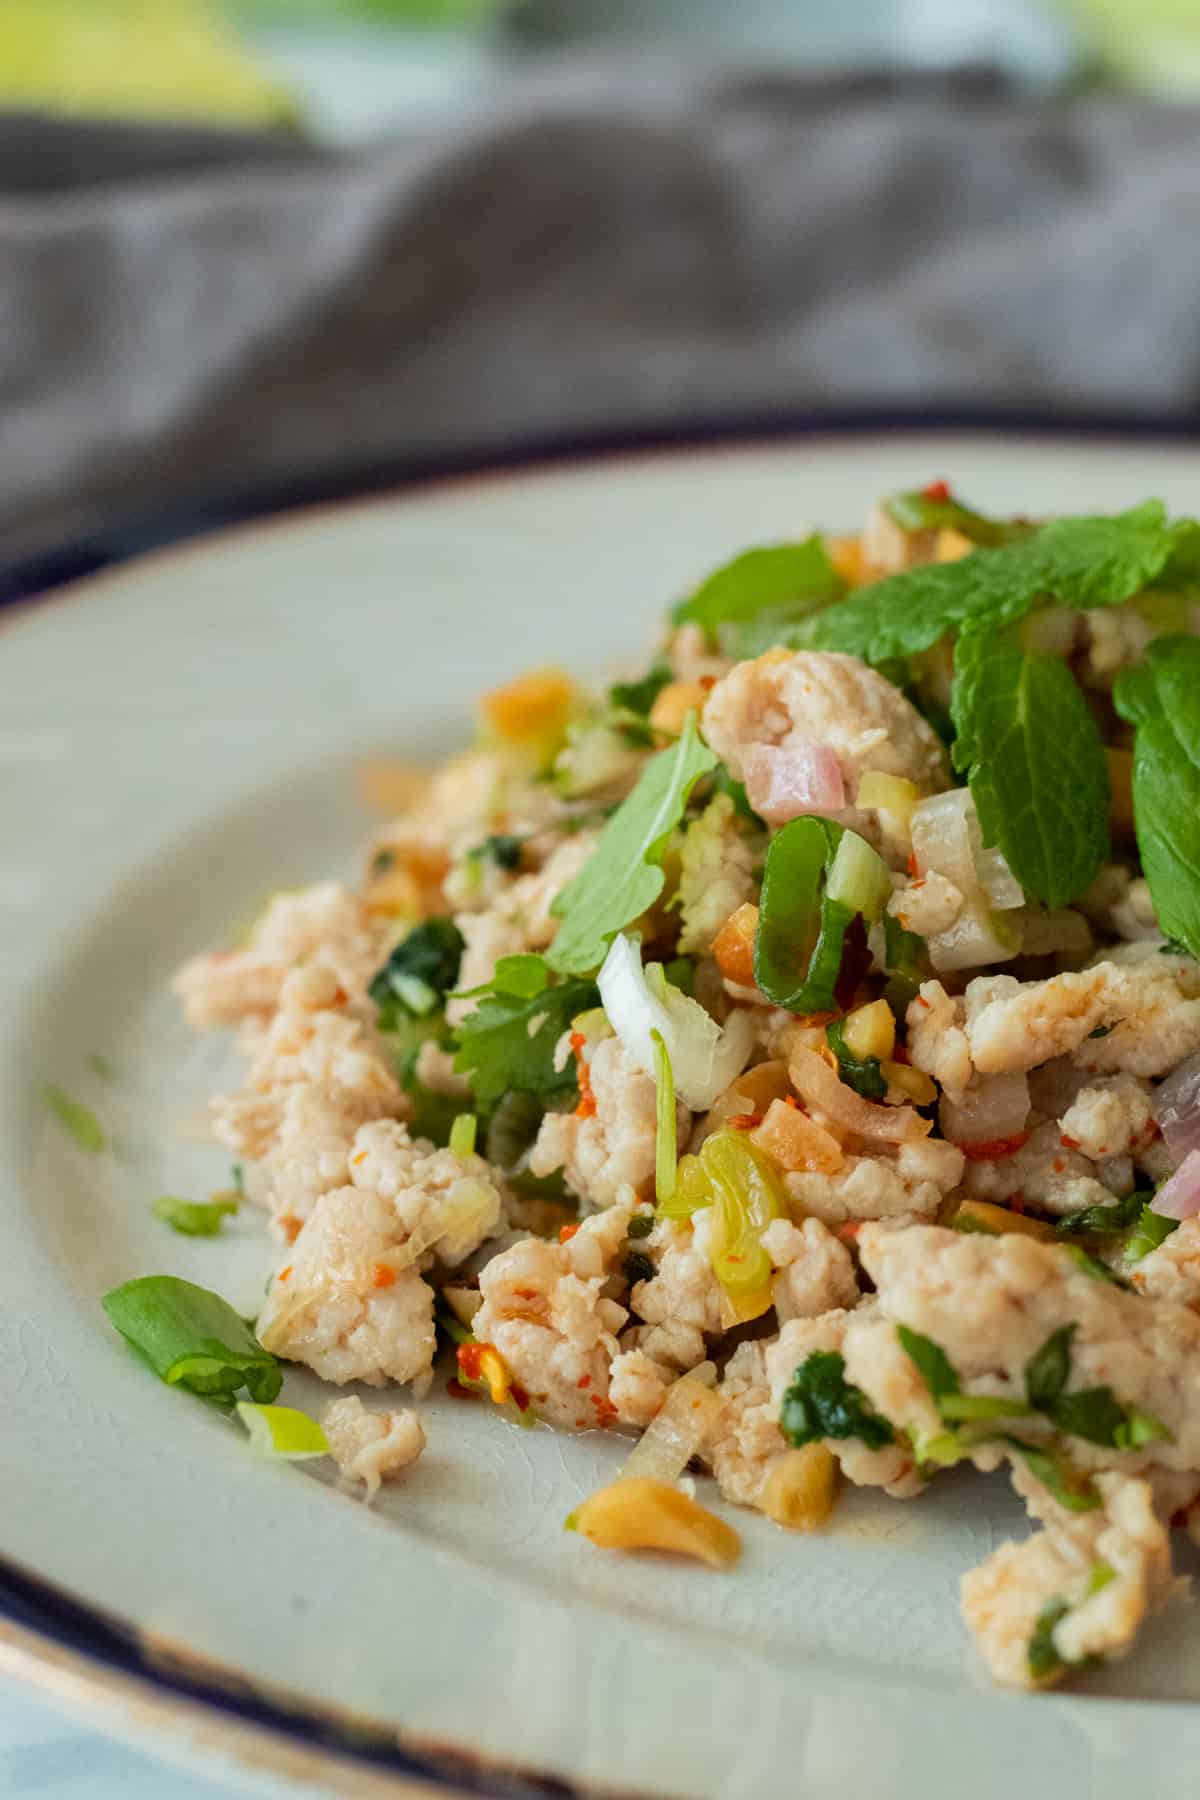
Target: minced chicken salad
point(791, 1055)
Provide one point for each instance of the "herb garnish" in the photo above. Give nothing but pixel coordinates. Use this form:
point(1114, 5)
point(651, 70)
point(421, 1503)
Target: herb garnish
point(821, 1403)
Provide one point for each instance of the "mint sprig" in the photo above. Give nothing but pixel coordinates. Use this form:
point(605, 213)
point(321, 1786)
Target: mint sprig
point(1160, 697)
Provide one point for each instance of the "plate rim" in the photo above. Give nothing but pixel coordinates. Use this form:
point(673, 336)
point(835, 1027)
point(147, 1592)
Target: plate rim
point(73, 1650)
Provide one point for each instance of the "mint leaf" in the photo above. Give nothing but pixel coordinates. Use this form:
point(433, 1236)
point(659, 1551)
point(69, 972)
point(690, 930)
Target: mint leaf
point(1079, 561)
point(623, 876)
point(778, 578)
point(821, 1403)
point(1035, 762)
point(509, 1041)
point(1161, 698)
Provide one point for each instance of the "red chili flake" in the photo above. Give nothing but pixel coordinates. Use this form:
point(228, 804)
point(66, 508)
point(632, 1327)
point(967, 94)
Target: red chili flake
point(922, 1001)
point(340, 997)
point(470, 1360)
point(848, 1231)
point(992, 1149)
point(1069, 1143)
point(707, 682)
point(382, 1276)
point(520, 1396)
point(284, 1273)
point(745, 1121)
point(606, 1412)
point(290, 1225)
point(585, 1381)
point(914, 867)
point(587, 1099)
point(937, 490)
point(566, 1233)
point(1058, 1165)
point(791, 1100)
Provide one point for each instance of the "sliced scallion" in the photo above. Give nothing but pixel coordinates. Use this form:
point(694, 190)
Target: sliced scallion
point(192, 1338)
point(194, 1218)
point(78, 1121)
point(462, 1134)
point(665, 1158)
point(282, 1431)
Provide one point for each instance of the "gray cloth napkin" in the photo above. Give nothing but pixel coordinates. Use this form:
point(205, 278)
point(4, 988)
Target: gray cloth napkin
point(598, 249)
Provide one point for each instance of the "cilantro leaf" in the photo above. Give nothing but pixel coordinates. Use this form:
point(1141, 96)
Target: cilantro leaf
point(821, 1403)
point(623, 876)
point(509, 1040)
point(1035, 763)
point(1069, 1486)
point(782, 579)
point(862, 1073)
point(1049, 1370)
point(1081, 562)
point(1161, 698)
point(936, 1369)
point(421, 970)
point(1107, 1220)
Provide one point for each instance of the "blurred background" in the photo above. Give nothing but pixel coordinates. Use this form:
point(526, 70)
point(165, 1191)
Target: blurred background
point(247, 246)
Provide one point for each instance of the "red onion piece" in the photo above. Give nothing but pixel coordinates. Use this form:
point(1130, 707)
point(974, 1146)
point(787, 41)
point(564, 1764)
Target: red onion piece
point(1177, 1108)
point(1179, 1198)
point(785, 782)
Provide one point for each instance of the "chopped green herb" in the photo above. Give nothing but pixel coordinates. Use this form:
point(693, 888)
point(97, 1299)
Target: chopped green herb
point(821, 1403)
point(801, 932)
point(1034, 758)
point(935, 1367)
point(100, 1065)
point(1100, 1575)
point(1091, 1265)
point(863, 1074)
point(942, 1380)
point(925, 510)
point(1160, 697)
point(1150, 1231)
point(1049, 1370)
point(78, 1121)
point(641, 1225)
point(192, 1338)
point(238, 1178)
point(419, 973)
point(967, 1409)
point(1041, 1657)
point(639, 696)
point(193, 1218)
point(906, 958)
point(509, 1040)
point(455, 1330)
point(462, 1134)
point(382, 861)
point(624, 876)
point(282, 1431)
point(1084, 562)
point(1101, 1031)
point(785, 581)
point(636, 1266)
point(724, 783)
point(500, 849)
point(681, 973)
point(665, 1157)
point(1094, 1414)
point(1068, 1485)
point(1102, 1221)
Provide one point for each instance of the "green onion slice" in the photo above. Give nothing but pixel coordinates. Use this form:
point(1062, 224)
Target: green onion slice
point(79, 1122)
point(801, 926)
point(193, 1218)
point(192, 1338)
point(665, 1158)
point(462, 1134)
point(282, 1431)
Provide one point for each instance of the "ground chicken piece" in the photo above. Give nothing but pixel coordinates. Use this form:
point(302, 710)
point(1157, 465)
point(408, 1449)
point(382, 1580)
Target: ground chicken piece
point(746, 1441)
point(638, 1386)
point(716, 874)
point(1172, 1272)
point(894, 1467)
point(927, 905)
point(910, 1183)
point(792, 698)
point(326, 1308)
point(1004, 1599)
point(613, 1148)
point(1110, 1117)
point(681, 1304)
point(937, 1042)
point(816, 1272)
point(520, 919)
point(225, 986)
point(1050, 1175)
point(371, 1447)
point(1147, 1003)
point(545, 1312)
point(309, 1150)
point(346, 1302)
point(991, 1303)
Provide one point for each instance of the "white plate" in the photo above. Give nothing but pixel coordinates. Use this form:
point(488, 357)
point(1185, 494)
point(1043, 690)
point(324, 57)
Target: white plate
point(177, 739)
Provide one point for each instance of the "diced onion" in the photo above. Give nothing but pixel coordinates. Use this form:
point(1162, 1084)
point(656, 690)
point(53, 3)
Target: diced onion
point(1179, 1198)
point(997, 1109)
point(818, 1084)
point(1003, 890)
point(675, 1434)
point(977, 936)
point(282, 1431)
point(1177, 1109)
point(785, 782)
point(464, 1216)
point(945, 837)
point(639, 1001)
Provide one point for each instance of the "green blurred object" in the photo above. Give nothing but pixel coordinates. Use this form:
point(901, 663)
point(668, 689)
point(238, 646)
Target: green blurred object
point(176, 59)
point(403, 12)
point(1152, 44)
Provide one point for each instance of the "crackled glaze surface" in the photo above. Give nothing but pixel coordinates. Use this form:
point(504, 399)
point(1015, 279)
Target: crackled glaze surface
point(177, 739)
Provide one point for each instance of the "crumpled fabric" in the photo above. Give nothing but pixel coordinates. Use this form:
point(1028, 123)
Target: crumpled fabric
point(598, 249)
